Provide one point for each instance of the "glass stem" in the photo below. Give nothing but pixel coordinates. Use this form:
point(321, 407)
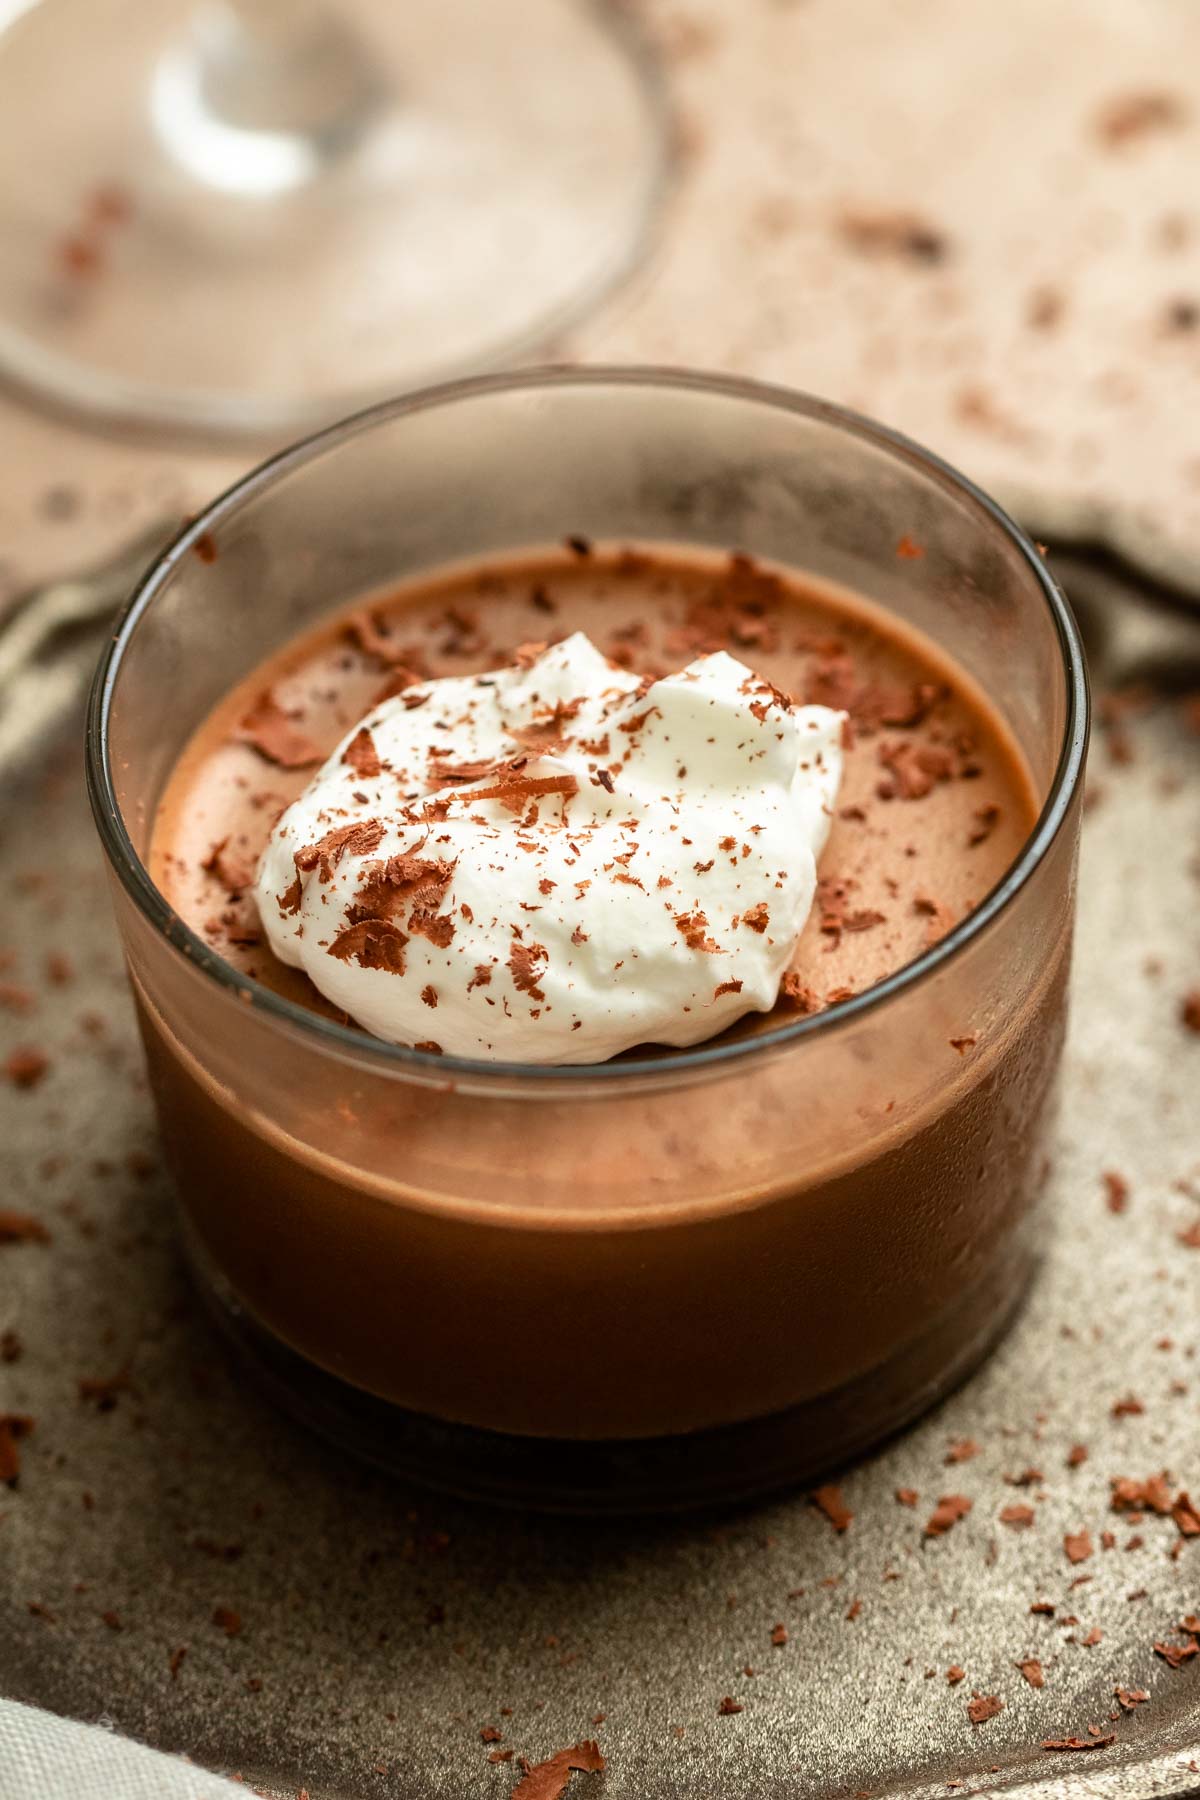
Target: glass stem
point(263, 95)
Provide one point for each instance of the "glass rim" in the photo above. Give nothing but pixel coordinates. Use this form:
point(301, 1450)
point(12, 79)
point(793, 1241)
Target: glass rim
point(396, 1060)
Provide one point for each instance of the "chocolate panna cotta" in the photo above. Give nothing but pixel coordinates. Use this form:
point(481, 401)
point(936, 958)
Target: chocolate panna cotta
point(808, 1257)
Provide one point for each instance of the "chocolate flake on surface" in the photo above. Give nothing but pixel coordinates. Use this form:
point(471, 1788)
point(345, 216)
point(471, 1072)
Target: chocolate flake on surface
point(356, 839)
point(269, 730)
point(1136, 115)
point(906, 1496)
point(1129, 1698)
point(1032, 1670)
point(982, 1707)
point(13, 1427)
point(1186, 1516)
point(693, 927)
point(22, 1228)
point(234, 875)
point(227, 1620)
point(961, 1450)
point(828, 1499)
point(728, 1705)
point(361, 755)
point(955, 1673)
point(1077, 1455)
point(25, 1066)
point(949, 1510)
point(548, 1780)
point(1017, 1515)
point(526, 965)
point(373, 944)
point(1078, 1546)
point(375, 640)
point(1099, 1741)
point(1116, 1191)
point(1151, 1495)
point(899, 233)
point(986, 820)
point(1189, 1010)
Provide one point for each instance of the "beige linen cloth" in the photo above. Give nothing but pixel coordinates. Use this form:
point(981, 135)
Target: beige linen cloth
point(45, 1758)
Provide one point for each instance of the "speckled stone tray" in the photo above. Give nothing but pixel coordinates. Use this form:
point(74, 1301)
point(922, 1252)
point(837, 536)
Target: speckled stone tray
point(181, 1562)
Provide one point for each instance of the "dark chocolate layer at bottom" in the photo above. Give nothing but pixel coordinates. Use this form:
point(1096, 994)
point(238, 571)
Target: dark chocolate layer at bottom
point(684, 1471)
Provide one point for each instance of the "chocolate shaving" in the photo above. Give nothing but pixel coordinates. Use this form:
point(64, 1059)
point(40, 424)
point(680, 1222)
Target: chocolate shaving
point(983, 1707)
point(828, 1499)
point(516, 790)
point(548, 1780)
point(354, 840)
point(1078, 1546)
point(526, 964)
point(728, 1706)
point(986, 820)
point(13, 1427)
point(903, 234)
point(1186, 1516)
point(1031, 1669)
point(26, 1066)
point(22, 1228)
point(1151, 1495)
point(949, 1510)
point(793, 992)
point(361, 755)
point(374, 640)
point(693, 926)
point(1116, 1191)
point(1021, 1517)
point(1077, 1743)
point(1132, 116)
point(267, 729)
point(235, 876)
point(373, 944)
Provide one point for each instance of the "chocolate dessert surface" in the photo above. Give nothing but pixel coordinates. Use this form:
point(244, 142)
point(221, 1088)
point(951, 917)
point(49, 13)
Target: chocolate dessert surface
point(935, 798)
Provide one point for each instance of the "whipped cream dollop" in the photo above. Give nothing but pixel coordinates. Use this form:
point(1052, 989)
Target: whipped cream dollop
point(556, 861)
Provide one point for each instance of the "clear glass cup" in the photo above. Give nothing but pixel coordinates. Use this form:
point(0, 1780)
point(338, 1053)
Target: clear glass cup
point(251, 216)
point(669, 1279)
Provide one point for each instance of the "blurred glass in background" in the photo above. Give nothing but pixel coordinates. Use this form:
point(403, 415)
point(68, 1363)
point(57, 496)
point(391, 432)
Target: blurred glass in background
point(253, 215)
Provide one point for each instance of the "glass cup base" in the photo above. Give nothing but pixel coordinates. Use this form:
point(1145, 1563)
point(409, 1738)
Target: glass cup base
point(723, 1466)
